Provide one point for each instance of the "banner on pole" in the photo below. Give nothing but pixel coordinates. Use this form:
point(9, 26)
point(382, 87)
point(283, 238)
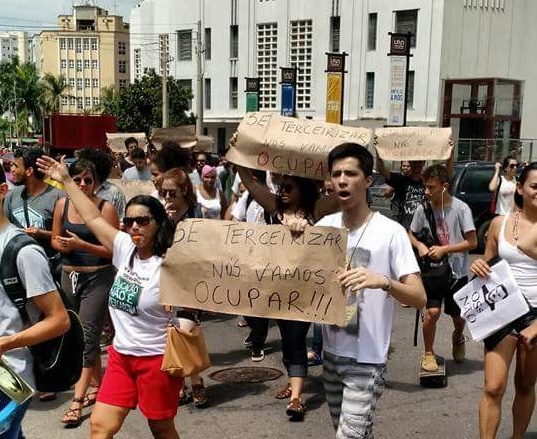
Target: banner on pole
point(334, 94)
point(396, 108)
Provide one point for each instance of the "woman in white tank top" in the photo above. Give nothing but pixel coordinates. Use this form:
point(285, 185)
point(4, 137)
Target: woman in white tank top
point(500, 347)
point(504, 185)
point(212, 200)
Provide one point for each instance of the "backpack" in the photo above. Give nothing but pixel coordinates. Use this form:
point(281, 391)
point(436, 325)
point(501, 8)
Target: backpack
point(57, 362)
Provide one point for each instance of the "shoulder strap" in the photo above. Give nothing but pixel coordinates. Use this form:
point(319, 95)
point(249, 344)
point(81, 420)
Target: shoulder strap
point(65, 210)
point(10, 278)
point(25, 207)
point(429, 215)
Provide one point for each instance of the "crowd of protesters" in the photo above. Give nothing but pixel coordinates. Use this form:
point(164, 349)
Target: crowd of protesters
point(102, 245)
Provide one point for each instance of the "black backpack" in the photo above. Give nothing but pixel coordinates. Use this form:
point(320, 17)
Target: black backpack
point(57, 362)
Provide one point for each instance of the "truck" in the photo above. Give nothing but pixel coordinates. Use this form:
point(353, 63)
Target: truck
point(64, 133)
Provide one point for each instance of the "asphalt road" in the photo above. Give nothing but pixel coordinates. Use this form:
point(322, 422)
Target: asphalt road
point(248, 411)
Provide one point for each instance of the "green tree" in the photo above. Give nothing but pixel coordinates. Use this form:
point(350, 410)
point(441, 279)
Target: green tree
point(54, 89)
point(139, 105)
point(109, 101)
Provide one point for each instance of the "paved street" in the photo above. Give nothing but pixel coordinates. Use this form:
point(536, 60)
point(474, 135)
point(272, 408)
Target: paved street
point(250, 411)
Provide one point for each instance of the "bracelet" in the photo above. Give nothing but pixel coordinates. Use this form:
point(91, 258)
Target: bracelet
point(390, 284)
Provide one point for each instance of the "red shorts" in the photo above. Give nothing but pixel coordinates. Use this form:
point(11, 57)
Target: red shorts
point(130, 381)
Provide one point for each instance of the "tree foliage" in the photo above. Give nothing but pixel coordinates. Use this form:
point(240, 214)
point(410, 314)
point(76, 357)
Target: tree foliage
point(138, 106)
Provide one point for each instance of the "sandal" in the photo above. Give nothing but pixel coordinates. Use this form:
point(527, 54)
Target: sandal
point(295, 410)
point(91, 396)
point(73, 416)
point(200, 395)
point(285, 392)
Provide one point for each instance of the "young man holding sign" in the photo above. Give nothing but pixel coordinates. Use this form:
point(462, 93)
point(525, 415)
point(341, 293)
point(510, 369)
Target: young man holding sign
point(378, 271)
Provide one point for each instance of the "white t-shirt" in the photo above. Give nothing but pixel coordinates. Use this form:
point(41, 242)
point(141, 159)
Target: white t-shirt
point(133, 174)
point(251, 213)
point(383, 248)
point(139, 320)
point(506, 196)
point(35, 275)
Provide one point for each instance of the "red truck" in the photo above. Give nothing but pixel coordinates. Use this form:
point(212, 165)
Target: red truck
point(68, 132)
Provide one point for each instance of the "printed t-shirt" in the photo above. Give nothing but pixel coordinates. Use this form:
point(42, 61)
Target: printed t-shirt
point(35, 275)
point(139, 320)
point(451, 224)
point(410, 194)
point(383, 248)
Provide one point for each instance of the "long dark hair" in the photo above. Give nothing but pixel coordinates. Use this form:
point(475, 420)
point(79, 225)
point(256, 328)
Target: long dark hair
point(522, 179)
point(166, 228)
point(308, 195)
point(181, 179)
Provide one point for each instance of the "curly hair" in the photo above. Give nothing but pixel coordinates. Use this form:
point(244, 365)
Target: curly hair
point(308, 195)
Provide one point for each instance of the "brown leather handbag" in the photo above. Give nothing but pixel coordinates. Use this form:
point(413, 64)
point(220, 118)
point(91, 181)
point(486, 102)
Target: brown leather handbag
point(186, 352)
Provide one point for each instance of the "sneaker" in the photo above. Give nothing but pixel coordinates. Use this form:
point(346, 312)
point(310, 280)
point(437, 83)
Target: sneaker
point(248, 342)
point(200, 396)
point(257, 355)
point(428, 362)
point(459, 348)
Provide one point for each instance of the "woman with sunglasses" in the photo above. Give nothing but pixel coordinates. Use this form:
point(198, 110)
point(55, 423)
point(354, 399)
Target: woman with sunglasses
point(515, 339)
point(294, 203)
point(504, 185)
point(87, 275)
point(133, 376)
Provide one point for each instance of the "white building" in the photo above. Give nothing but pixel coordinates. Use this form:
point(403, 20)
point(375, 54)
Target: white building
point(490, 40)
point(14, 43)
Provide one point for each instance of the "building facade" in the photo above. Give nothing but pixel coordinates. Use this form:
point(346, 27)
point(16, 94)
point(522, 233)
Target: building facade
point(453, 40)
point(14, 44)
point(91, 50)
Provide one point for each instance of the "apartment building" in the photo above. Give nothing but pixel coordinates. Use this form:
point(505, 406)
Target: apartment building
point(91, 50)
point(14, 43)
point(464, 52)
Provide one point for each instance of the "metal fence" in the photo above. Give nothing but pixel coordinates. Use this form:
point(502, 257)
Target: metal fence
point(496, 149)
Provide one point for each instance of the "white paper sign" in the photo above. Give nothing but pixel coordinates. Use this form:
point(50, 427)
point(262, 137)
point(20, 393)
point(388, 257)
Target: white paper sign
point(489, 304)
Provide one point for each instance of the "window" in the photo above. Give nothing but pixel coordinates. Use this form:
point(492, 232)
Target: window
point(63, 44)
point(79, 105)
point(78, 65)
point(369, 90)
point(122, 67)
point(94, 64)
point(94, 44)
point(71, 63)
point(71, 82)
point(121, 48)
point(301, 57)
point(234, 41)
point(87, 82)
point(137, 63)
point(372, 32)
point(87, 102)
point(335, 23)
point(207, 94)
point(187, 85)
point(95, 102)
point(233, 93)
point(267, 64)
point(78, 44)
point(122, 83)
point(72, 100)
point(410, 90)
point(65, 100)
point(407, 21)
point(86, 43)
point(70, 44)
point(63, 63)
point(86, 63)
point(184, 45)
point(95, 83)
point(207, 43)
point(79, 84)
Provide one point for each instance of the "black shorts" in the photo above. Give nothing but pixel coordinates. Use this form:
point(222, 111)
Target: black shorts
point(513, 328)
point(439, 291)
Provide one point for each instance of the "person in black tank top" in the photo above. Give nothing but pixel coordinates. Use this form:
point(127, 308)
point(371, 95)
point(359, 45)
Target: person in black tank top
point(87, 273)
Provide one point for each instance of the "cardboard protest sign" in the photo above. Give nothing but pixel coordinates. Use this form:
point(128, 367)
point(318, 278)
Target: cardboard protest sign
point(184, 135)
point(489, 304)
point(134, 187)
point(413, 143)
point(248, 269)
point(291, 146)
point(116, 141)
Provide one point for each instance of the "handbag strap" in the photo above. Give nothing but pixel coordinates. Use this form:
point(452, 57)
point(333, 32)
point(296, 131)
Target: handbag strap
point(429, 215)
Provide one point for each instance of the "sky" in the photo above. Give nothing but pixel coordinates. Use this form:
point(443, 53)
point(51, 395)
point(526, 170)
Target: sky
point(34, 15)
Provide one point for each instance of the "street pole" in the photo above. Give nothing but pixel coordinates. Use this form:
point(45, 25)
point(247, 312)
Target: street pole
point(164, 58)
point(199, 83)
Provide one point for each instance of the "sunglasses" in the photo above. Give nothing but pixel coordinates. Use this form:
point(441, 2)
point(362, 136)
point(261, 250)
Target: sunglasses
point(287, 187)
point(168, 192)
point(87, 180)
point(128, 221)
point(513, 165)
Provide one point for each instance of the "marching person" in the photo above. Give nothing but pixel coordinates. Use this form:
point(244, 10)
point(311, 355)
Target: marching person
point(133, 376)
point(455, 230)
point(504, 185)
point(505, 233)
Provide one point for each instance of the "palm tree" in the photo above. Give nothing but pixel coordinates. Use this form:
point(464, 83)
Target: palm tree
point(28, 91)
point(54, 89)
point(109, 100)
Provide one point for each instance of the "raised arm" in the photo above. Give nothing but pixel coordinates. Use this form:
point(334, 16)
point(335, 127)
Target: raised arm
point(495, 180)
point(259, 192)
point(101, 228)
point(382, 168)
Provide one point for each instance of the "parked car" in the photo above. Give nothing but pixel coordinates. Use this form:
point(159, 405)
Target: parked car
point(470, 184)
